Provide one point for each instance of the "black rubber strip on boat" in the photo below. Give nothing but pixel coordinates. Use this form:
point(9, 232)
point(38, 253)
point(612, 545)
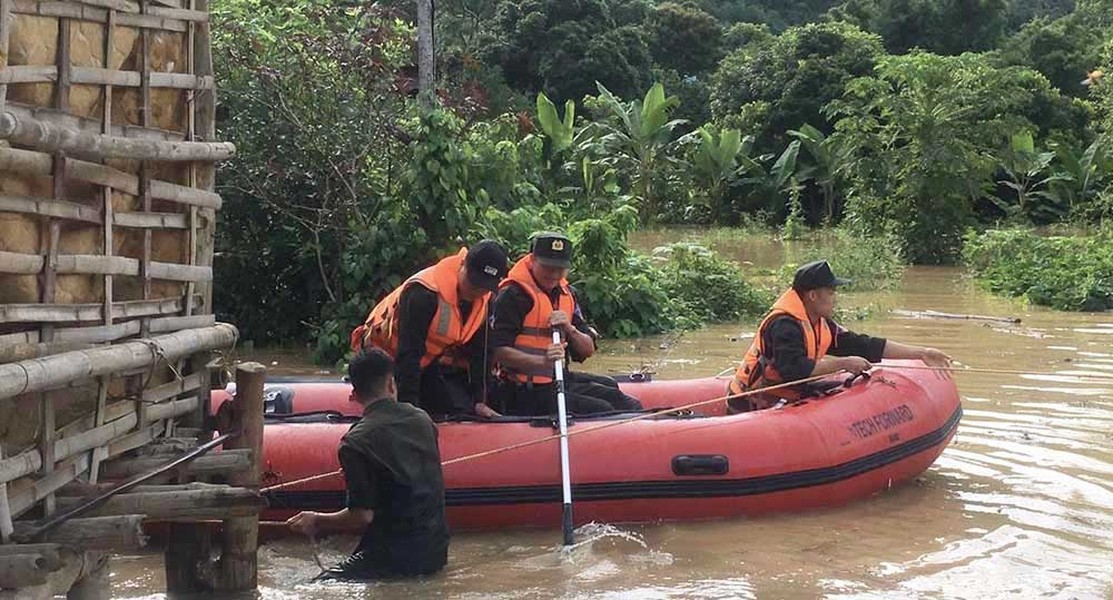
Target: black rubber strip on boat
point(643, 490)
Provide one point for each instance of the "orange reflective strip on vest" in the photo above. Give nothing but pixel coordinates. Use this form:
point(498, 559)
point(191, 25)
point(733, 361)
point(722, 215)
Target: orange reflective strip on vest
point(535, 335)
point(757, 370)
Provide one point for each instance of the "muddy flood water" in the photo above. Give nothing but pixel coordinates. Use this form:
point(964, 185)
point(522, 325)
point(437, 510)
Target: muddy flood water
point(1020, 505)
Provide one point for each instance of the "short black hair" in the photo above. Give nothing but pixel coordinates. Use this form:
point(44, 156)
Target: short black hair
point(369, 371)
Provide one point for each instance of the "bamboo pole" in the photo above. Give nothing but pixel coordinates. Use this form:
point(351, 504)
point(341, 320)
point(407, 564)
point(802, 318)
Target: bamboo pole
point(238, 566)
point(5, 510)
point(47, 137)
point(39, 374)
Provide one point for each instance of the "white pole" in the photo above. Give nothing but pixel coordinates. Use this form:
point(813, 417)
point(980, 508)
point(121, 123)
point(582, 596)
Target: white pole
point(565, 471)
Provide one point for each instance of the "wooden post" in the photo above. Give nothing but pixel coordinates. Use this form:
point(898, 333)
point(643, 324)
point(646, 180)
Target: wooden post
point(238, 567)
point(5, 510)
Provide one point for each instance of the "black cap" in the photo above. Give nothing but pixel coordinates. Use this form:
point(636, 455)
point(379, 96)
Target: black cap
point(552, 250)
point(486, 265)
point(816, 274)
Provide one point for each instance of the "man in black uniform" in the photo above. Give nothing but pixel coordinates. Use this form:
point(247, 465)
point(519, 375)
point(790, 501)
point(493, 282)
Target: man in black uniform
point(799, 338)
point(392, 467)
point(534, 299)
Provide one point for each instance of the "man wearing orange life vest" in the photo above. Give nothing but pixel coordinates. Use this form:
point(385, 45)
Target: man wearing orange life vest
point(534, 299)
point(435, 327)
point(798, 339)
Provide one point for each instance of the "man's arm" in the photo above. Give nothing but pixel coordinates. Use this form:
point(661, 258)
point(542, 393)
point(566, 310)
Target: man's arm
point(581, 341)
point(930, 356)
point(786, 342)
point(416, 309)
point(511, 307)
point(360, 476)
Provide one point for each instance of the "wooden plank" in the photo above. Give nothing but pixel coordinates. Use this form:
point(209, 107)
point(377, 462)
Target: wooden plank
point(100, 414)
point(47, 452)
point(48, 137)
point(21, 264)
point(59, 209)
point(167, 324)
point(77, 313)
point(142, 436)
point(103, 76)
point(95, 264)
point(25, 497)
point(176, 272)
point(159, 505)
point(151, 22)
point(97, 335)
point(31, 162)
point(29, 461)
point(166, 391)
point(181, 14)
point(123, 533)
point(5, 508)
point(29, 74)
point(153, 220)
point(5, 42)
point(23, 337)
point(225, 461)
point(75, 123)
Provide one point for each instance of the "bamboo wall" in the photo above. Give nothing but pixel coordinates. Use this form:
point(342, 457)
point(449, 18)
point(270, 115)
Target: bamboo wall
point(107, 213)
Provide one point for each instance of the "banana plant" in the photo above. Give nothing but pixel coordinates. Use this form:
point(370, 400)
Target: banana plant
point(1081, 172)
point(829, 157)
point(1026, 173)
point(772, 183)
point(559, 131)
point(715, 160)
point(643, 140)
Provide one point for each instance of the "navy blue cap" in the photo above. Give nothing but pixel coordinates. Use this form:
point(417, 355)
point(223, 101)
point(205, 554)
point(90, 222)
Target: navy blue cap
point(816, 274)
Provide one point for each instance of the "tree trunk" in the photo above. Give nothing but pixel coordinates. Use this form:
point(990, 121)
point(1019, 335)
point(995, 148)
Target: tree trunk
point(426, 65)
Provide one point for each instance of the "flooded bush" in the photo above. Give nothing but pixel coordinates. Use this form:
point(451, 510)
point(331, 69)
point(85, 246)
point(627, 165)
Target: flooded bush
point(1066, 273)
point(708, 287)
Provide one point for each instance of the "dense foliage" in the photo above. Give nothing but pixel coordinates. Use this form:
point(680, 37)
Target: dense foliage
point(906, 121)
point(1067, 273)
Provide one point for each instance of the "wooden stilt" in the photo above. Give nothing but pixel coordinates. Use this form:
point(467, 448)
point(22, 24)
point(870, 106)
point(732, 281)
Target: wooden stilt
point(237, 569)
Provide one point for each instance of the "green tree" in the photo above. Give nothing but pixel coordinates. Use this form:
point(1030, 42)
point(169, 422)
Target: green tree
point(768, 88)
point(940, 26)
point(919, 155)
point(562, 47)
point(1064, 49)
point(684, 38)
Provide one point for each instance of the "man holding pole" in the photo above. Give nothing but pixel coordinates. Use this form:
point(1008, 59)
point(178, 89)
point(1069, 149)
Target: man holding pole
point(392, 467)
point(533, 300)
point(799, 339)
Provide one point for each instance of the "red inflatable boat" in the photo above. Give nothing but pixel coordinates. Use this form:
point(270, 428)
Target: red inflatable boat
point(850, 444)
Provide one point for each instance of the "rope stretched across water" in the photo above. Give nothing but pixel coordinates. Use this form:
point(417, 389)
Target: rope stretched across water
point(556, 437)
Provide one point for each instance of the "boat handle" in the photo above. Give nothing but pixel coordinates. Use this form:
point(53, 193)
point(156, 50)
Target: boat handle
point(864, 376)
point(700, 464)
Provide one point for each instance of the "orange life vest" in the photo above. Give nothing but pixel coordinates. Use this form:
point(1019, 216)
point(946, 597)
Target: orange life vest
point(536, 334)
point(448, 332)
point(757, 369)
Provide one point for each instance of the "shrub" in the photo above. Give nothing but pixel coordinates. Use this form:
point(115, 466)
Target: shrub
point(708, 287)
point(1067, 273)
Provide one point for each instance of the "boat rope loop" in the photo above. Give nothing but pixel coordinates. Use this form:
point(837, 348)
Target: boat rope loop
point(556, 437)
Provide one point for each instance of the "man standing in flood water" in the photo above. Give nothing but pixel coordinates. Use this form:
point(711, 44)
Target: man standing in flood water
point(799, 339)
point(392, 468)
